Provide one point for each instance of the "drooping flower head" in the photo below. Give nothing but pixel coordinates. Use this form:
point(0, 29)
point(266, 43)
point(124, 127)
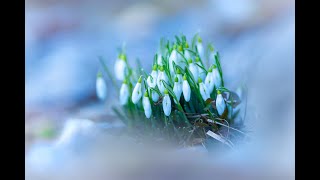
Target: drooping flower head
point(186, 90)
point(101, 87)
point(203, 90)
point(120, 67)
point(177, 88)
point(220, 103)
point(137, 92)
point(124, 93)
point(146, 105)
point(166, 103)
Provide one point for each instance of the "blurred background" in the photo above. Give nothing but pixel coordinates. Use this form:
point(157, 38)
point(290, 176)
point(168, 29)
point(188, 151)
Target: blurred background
point(255, 39)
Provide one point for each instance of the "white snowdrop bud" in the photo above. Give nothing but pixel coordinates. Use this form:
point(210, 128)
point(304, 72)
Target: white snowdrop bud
point(209, 81)
point(200, 47)
point(177, 89)
point(146, 105)
point(203, 90)
point(220, 103)
point(166, 103)
point(186, 90)
point(124, 93)
point(101, 87)
point(216, 77)
point(120, 67)
point(193, 68)
point(137, 94)
point(162, 76)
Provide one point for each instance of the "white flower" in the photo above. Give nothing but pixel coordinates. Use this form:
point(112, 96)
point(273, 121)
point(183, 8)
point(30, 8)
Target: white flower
point(201, 72)
point(220, 103)
point(154, 72)
point(124, 93)
point(209, 81)
point(137, 94)
point(194, 69)
point(155, 96)
point(166, 103)
point(200, 47)
point(152, 83)
point(159, 60)
point(162, 76)
point(186, 90)
point(177, 88)
point(120, 67)
point(173, 58)
point(146, 105)
point(216, 77)
point(203, 90)
point(101, 87)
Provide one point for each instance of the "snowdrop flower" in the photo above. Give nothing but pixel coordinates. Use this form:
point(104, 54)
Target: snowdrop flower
point(146, 105)
point(200, 47)
point(212, 54)
point(124, 93)
point(203, 90)
point(201, 72)
point(216, 76)
point(137, 94)
point(186, 90)
point(152, 83)
point(101, 87)
point(166, 103)
point(177, 88)
point(154, 72)
point(162, 76)
point(220, 103)
point(173, 58)
point(209, 81)
point(120, 67)
point(194, 69)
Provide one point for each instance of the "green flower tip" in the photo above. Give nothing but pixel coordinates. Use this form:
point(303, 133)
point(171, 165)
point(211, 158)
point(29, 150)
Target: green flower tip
point(180, 48)
point(140, 79)
point(154, 67)
point(211, 48)
point(210, 69)
point(218, 92)
point(214, 66)
point(199, 39)
point(197, 59)
point(176, 79)
point(122, 56)
point(166, 91)
point(99, 75)
point(161, 68)
point(190, 61)
point(199, 80)
point(184, 77)
point(174, 46)
point(186, 45)
point(146, 94)
point(125, 81)
point(178, 71)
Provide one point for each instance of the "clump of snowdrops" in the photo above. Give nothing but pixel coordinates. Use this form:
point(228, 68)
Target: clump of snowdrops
point(181, 99)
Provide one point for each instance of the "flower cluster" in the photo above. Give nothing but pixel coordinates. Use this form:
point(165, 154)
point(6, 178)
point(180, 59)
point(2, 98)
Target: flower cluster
point(185, 85)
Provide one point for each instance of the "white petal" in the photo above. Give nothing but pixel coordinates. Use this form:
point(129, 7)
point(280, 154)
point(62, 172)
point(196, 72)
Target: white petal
point(146, 106)
point(194, 70)
point(180, 79)
point(200, 50)
point(154, 74)
point(173, 58)
point(155, 96)
point(119, 69)
point(220, 104)
point(101, 88)
point(204, 91)
point(124, 94)
point(216, 77)
point(187, 55)
point(177, 89)
point(152, 82)
point(186, 90)
point(166, 104)
point(136, 94)
point(209, 82)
